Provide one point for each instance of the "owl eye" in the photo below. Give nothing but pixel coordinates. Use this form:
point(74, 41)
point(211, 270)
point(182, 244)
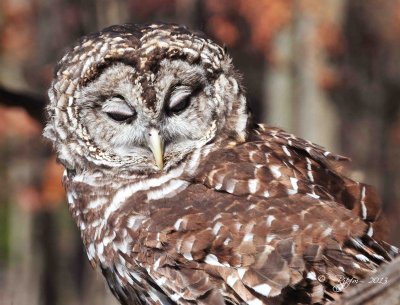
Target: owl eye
point(182, 105)
point(118, 110)
point(180, 99)
point(119, 117)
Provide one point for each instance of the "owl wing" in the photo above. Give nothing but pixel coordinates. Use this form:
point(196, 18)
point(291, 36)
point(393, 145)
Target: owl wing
point(263, 220)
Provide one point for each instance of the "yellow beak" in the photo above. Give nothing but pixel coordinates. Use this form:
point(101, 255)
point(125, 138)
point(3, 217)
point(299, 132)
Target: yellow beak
point(156, 145)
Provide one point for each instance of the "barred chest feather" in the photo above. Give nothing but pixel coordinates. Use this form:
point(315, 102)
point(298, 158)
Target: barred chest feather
point(109, 211)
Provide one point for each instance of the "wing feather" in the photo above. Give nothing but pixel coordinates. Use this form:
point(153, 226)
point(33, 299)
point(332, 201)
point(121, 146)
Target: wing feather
point(266, 218)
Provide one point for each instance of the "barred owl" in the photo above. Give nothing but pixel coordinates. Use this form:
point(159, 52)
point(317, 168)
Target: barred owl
point(180, 198)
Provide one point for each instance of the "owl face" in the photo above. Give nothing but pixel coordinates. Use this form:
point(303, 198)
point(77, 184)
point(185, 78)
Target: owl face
point(152, 117)
point(152, 97)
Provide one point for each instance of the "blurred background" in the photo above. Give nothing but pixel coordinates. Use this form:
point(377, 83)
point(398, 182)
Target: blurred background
point(328, 71)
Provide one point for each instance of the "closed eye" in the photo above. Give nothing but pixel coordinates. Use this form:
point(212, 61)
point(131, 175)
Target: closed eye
point(118, 110)
point(180, 99)
point(118, 116)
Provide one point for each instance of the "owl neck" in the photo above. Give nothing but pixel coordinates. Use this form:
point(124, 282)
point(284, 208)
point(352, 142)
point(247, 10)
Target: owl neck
point(237, 119)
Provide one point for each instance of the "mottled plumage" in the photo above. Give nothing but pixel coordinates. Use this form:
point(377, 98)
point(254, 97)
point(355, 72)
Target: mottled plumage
point(180, 198)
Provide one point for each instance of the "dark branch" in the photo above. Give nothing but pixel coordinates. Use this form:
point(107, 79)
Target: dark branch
point(34, 105)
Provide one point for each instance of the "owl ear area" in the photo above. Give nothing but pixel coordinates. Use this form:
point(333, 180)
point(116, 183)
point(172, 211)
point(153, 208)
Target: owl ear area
point(49, 133)
point(118, 110)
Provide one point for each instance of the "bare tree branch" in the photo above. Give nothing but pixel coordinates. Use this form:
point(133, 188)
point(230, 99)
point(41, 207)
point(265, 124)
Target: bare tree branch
point(34, 105)
point(371, 292)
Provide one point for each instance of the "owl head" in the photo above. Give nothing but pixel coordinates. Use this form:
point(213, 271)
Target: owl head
point(141, 98)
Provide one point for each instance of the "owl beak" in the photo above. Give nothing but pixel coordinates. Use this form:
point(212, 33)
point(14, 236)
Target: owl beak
point(156, 145)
